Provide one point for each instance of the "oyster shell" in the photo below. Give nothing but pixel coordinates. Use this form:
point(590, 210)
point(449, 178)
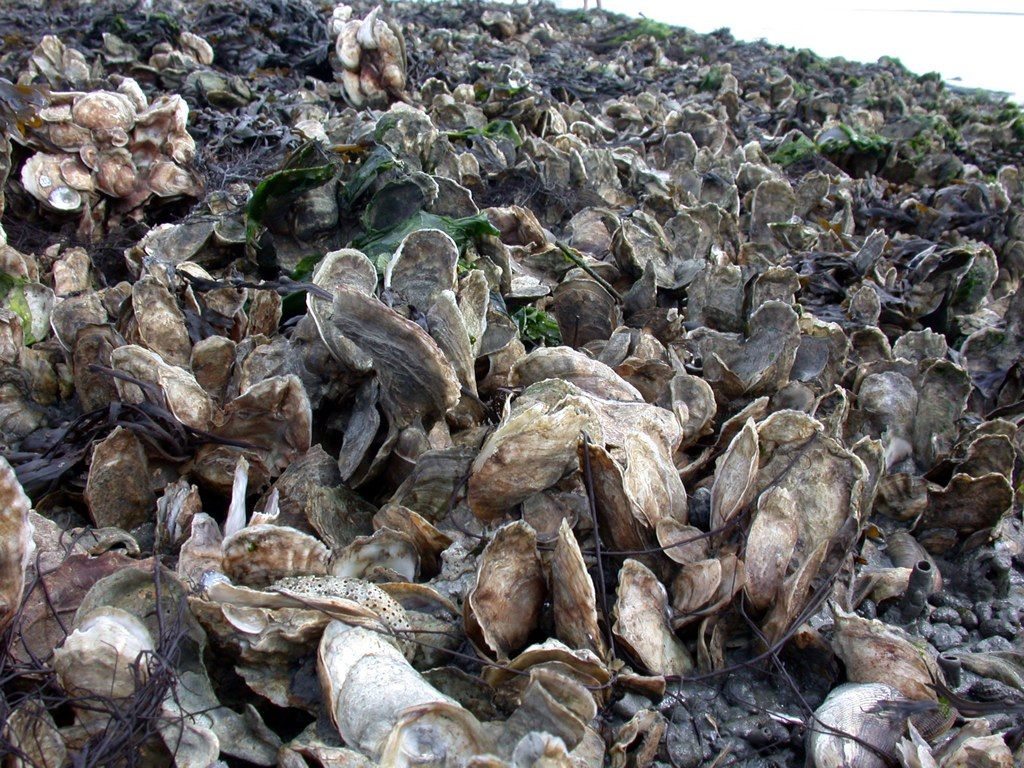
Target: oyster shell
point(496, 623)
point(641, 622)
point(105, 655)
point(16, 544)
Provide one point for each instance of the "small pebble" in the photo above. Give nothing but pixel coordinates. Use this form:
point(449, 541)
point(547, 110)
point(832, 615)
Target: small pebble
point(967, 619)
point(983, 610)
point(629, 705)
point(990, 644)
point(945, 637)
point(946, 615)
point(1001, 627)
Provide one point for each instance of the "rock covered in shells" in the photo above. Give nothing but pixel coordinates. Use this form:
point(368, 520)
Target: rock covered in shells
point(112, 143)
point(371, 55)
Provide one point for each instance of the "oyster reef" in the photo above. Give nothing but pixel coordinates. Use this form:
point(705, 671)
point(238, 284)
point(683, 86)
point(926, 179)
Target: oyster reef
point(467, 385)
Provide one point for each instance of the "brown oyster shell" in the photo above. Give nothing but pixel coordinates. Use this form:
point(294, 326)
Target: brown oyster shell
point(504, 604)
point(641, 622)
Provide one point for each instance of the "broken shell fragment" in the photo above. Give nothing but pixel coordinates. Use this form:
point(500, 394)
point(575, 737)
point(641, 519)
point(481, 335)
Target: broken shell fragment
point(371, 691)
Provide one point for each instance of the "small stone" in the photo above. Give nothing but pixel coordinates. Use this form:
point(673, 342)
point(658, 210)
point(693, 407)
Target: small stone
point(630, 704)
point(681, 740)
point(990, 644)
point(945, 637)
point(983, 610)
point(967, 619)
point(1001, 627)
point(946, 615)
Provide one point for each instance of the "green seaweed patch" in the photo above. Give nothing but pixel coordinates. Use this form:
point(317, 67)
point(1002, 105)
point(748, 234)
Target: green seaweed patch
point(496, 129)
point(848, 139)
point(379, 245)
point(712, 81)
point(379, 160)
point(12, 295)
point(655, 29)
point(794, 151)
point(537, 327)
point(282, 187)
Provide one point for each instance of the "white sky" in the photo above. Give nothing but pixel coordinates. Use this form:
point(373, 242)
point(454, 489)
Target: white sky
point(977, 44)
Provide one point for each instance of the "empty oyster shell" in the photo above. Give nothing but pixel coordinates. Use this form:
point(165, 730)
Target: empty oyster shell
point(570, 365)
point(103, 656)
point(104, 111)
point(259, 555)
point(734, 476)
point(371, 53)
point(418, 384)
point(387, 551)
point(529, 451)
point(505, 603)
point(118, 489)
point(641, 622)
point(43, 178)
point(867, 711)
point(15, 542)
point(573, 598)
point(33, 738)
point(771, 540)
point(184, 397)
point(873, 652)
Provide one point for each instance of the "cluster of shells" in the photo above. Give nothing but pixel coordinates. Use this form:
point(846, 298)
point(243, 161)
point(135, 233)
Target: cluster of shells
point(99, 145)
point(769, 430)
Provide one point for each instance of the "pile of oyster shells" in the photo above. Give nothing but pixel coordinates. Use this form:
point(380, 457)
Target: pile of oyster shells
point(570, 391)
